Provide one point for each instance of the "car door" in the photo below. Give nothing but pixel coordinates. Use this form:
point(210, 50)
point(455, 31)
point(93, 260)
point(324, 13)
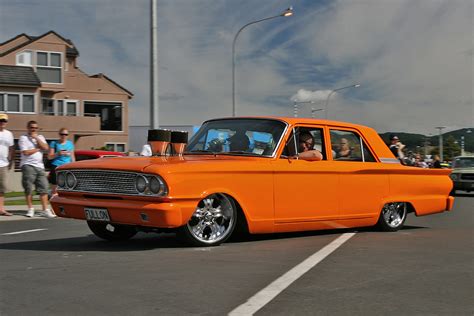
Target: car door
point(363, 182)
point(305, 192)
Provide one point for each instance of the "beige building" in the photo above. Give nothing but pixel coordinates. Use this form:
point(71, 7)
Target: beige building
point(40, 80)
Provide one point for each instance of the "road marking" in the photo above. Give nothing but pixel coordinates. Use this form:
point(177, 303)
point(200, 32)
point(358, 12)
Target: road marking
point(25, 231)
point(264, 296)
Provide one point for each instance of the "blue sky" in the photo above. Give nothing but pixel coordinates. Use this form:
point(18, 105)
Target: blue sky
point(413, 59)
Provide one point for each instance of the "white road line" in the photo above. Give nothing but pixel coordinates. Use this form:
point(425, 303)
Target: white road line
point(267, 294)
point(25, 231)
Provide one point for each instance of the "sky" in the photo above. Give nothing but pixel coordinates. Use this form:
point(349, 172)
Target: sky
point(412, 58)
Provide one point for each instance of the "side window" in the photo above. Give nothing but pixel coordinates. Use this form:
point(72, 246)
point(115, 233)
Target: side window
point(304, 138)
point(348, 146)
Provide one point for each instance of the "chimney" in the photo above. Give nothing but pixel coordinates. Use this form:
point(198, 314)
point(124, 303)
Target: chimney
point(159, 140)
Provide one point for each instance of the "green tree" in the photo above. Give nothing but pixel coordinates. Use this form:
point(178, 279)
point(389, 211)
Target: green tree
point(451, 148)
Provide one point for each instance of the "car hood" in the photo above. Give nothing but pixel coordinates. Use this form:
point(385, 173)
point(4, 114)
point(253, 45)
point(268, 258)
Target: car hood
point(164, 164)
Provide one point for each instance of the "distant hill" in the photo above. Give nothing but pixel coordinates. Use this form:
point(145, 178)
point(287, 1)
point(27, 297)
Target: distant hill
point(413, 140)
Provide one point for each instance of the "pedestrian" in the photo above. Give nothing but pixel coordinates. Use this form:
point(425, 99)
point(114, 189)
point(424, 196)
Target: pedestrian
point(419, 162)
point(6, 159)
point(396, 147)
point(436, 162)
point(32, 168)
point(60, 153)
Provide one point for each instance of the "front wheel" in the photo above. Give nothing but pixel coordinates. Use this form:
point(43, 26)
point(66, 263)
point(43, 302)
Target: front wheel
point(212, 222)
point(393, 216)
point(112, 232)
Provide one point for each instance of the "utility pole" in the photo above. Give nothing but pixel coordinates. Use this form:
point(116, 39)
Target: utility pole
point(440, 128)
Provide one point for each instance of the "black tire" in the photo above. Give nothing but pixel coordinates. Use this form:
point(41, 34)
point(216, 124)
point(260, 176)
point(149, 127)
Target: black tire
point(393, 216)
point(212, 223)
point(112, 232)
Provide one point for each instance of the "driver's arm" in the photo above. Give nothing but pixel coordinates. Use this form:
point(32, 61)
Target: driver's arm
point(313, 155)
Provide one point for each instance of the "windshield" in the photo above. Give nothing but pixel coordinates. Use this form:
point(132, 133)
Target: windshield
point(464, 162)
point(254, 137)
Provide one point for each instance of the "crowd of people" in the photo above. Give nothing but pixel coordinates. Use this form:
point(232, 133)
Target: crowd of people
point(410, 158)
point(34, 176)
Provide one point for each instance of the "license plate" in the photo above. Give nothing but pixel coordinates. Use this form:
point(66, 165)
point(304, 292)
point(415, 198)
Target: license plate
point(97, 214)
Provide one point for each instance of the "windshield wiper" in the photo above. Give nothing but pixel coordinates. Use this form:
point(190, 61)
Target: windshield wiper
point(199, 151)
point(239, 152)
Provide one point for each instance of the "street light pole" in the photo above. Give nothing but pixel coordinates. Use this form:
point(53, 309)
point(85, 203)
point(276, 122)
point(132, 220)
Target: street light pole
point(287, 12)
point(295, 106)
point(315, 110)
point(154, 99)
point(335, 90)
point(440, 128)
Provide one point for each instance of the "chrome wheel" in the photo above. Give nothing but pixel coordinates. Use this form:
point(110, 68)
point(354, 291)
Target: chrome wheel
point(212, 222)
point(393, 216)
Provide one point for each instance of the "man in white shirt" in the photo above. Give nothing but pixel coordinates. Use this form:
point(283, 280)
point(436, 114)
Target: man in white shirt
point(6, 159)
point(32, 168)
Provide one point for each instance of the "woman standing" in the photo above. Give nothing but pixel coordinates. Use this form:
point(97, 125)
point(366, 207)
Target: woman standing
point(60, 153)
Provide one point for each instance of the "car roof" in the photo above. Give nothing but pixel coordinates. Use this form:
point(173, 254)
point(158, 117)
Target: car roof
point(295, 120)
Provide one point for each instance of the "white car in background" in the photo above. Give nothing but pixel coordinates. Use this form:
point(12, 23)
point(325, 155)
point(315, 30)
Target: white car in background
point(463, 173)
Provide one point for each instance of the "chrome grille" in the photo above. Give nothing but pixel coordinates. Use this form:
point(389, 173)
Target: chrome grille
point(105, 181)
point(467, 176)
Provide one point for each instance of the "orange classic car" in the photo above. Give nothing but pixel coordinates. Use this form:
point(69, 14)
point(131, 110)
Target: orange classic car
point(251, 174)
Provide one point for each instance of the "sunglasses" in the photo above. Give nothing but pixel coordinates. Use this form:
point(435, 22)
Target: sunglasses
point(63, 134)
point(33, 127)
point(3, 121)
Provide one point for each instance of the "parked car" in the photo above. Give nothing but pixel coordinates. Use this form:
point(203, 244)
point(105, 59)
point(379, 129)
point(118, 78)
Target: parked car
point(242, 175)
point(463, 173)
point(94, 154)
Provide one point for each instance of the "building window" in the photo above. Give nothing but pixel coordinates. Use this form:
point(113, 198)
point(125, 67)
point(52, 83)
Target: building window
point(24, 58)
point(120, 147)
point(59, 107)
point(48, 67)
point(71, 108)
point(17, 102)
point(110, 114)
point(47, 106)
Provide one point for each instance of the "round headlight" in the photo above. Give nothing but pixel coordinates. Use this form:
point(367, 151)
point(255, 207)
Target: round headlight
point(70, 180)
point(141, 183)
point(155, 185)
point(61, 179)
point(454, 176)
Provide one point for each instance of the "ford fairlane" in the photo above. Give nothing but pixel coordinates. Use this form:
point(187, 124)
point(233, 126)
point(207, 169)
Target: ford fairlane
point(251, 175)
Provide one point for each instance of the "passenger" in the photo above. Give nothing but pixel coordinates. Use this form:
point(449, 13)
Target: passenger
point(344, 149)
point(305, 148)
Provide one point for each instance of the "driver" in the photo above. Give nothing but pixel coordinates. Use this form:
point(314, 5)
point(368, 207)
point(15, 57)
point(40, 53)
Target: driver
point(239, 141)
point(305, 148)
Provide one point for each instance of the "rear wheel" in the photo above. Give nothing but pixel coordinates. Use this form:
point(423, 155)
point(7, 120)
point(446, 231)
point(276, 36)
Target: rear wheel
point(212, 223)
point(112, 232)
point(393, 216)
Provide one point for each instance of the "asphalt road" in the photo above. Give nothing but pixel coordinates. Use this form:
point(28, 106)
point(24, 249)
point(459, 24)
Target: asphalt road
point(425, 269)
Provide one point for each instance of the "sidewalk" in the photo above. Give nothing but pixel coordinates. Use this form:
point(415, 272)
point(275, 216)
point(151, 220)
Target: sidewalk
point(19, 213)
